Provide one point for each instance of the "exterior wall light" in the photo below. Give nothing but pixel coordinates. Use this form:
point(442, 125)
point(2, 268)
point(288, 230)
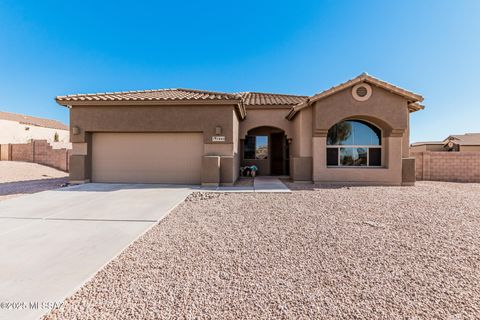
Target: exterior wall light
point(218, 130)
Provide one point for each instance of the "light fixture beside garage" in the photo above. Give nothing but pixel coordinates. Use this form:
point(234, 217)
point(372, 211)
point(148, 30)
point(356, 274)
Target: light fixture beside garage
point(218, 135)
point(75, 130)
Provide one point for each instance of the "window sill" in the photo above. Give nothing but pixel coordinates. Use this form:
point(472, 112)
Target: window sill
point(356, 167)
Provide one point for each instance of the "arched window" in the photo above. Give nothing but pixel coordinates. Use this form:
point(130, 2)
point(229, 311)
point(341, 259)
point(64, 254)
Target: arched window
point(354, 143)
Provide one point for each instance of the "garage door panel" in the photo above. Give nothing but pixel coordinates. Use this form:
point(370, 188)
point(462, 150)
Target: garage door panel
point(147, 157)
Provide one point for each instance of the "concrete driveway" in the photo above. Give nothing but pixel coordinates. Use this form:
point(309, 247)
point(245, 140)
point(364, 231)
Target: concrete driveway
point(52, 242)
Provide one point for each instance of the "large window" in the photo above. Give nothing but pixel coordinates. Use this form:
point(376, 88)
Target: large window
point(354, 143)
point(255, 148)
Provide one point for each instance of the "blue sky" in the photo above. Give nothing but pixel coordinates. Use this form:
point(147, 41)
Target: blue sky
point(50, 48)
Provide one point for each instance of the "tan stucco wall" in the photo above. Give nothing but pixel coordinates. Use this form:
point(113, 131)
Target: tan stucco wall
point(406, 139)
point(204, 119)
point(387, 111)
point(302, 134)
point(236, 148)
point(301, 160)
point(301, 169)
point(218, 149)
point(469, 148)
point(210, 175)
point(153, 119)
point(266, 117)
point(408, 171)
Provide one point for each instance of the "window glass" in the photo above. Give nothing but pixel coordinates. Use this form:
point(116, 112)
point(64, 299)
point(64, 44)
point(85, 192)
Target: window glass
point(332, 156)
point(249, 148)
point(353, 132)
point(353, 156)
point(255, 148)
point(374, 156)
point(261, 147)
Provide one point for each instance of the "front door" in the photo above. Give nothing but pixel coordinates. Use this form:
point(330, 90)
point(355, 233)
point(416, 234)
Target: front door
point(277, 154)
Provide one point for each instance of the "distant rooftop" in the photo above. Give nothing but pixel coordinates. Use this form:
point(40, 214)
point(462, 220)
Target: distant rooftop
point(467, 139)
point(33, 121)
point(421, 143)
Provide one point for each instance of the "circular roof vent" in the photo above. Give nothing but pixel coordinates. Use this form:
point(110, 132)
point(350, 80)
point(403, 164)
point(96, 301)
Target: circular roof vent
point(361, 92)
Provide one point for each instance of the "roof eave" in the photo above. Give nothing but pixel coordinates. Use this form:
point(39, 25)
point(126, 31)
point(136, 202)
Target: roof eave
point(294, 110)
point(414, 107)
point(413, 98)
point(70, 102)
point(236, 102)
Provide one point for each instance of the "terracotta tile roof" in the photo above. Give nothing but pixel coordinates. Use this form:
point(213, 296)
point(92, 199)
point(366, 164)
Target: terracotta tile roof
point(243, 98)
point(150, 95)
point(364, 77)
point(262, 99)
point(467, 139)
point(33, 121)
point(248, 98)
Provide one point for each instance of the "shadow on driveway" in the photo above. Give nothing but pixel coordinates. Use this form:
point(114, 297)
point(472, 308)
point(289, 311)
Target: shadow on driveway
point(31, 186)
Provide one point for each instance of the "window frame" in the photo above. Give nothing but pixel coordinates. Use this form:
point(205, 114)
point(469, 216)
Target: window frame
point(367, 147)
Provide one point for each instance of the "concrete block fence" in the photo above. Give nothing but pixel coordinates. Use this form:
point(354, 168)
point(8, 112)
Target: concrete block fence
point(37, 151)
point(447, 166)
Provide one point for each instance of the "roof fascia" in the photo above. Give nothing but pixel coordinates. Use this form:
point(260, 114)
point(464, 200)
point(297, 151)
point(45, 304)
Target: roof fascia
point(181, 103)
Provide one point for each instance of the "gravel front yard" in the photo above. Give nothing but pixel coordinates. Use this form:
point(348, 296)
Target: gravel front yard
point(17, 178)
point(352, 252)
point(12, 171)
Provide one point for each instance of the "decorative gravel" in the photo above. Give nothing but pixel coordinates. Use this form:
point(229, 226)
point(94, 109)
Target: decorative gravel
point(12, 171)
point(18, 178)
point(318, 252)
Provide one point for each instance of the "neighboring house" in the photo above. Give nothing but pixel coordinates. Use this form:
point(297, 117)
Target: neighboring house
point(463, 142)
point(459, 142)
point(427, 146)
point(17, 128)
point(356, 133)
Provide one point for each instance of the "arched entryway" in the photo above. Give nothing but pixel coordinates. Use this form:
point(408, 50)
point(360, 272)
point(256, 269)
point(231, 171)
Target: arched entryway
point(268, 149)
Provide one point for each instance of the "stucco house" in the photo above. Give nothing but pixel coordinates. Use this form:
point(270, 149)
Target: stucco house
point(468, 142)
point(354, 133)
point(19, 128)
point(424, 146)
point(463, 142)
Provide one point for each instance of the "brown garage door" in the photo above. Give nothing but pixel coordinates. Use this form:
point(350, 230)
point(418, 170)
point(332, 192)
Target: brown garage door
point(147, 157)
